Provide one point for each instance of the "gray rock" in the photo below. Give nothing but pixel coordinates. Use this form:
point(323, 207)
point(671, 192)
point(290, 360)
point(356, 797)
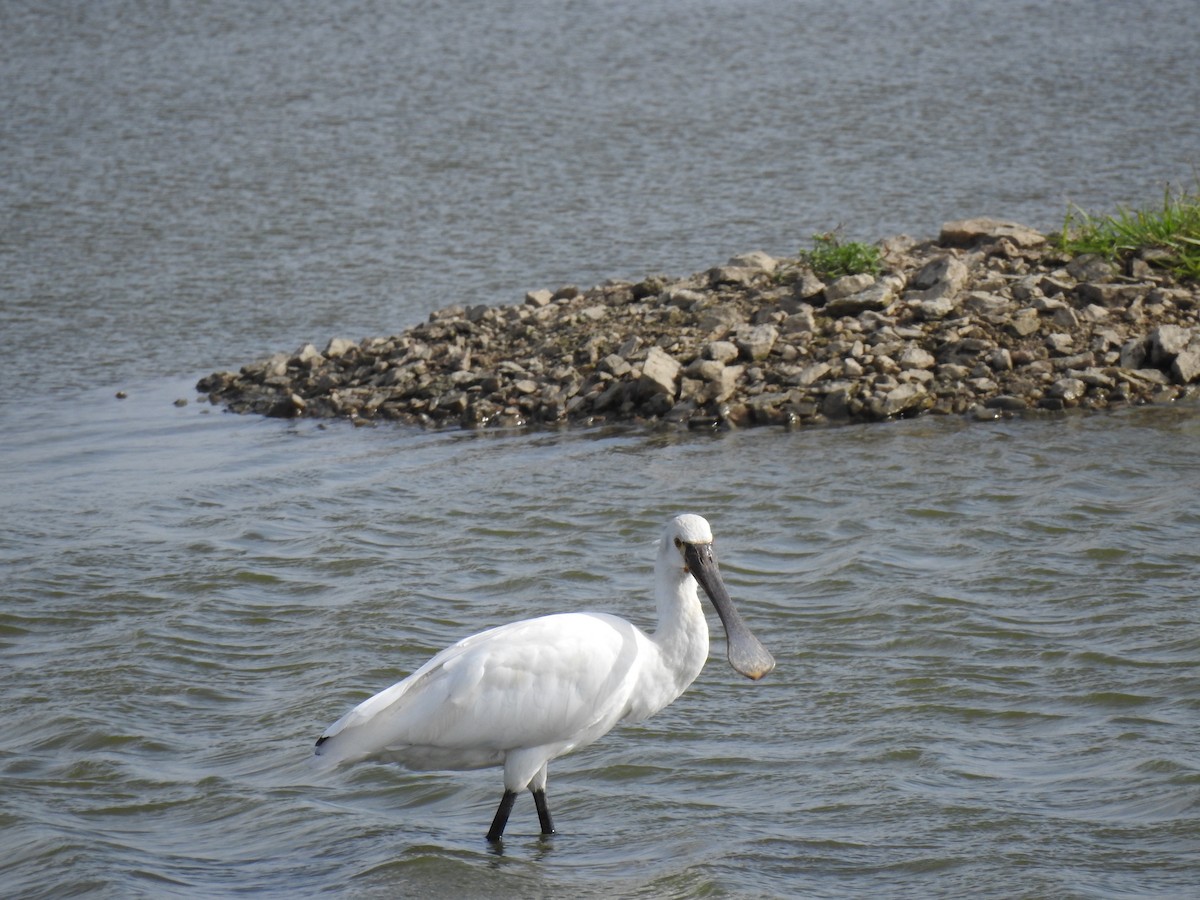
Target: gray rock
point(1167, 342)
point(916, 358)
point(810, 374)
point(847, 285)
point(755, 341)
point(807, 286)
point(721, 351)
point(1067, 389)
point(934, 310)
point(719, 321)
point(614, 364)
point(721, 388)
point(734, 275)
point(1134, 353)
point(1025, 322)
point(1186, 367)
point(982, 303)
point(338, 347)
point(946, 274)
point(659, 374)
point(903, 398)
point(802, 320)
point(755, 259)
point(1091, 267)
point(965, 232)
point(1110, 296)
point(875, 298)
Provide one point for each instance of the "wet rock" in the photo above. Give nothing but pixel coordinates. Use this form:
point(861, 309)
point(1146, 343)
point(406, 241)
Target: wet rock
point(902, 399)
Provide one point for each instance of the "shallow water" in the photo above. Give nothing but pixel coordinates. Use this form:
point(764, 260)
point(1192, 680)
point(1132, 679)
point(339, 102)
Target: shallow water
point(986, 633)
point(987, 647)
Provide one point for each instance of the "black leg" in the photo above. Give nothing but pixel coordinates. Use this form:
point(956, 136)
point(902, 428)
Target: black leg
point(539, 799)
point(501, 819)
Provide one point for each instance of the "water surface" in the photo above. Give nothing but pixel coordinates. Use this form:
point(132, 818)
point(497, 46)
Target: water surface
point(986, 634)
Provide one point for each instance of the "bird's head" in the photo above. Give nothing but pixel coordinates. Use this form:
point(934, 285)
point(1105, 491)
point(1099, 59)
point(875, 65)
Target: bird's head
point(691, 537)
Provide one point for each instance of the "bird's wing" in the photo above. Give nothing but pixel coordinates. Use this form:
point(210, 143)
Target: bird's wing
point(532, 683)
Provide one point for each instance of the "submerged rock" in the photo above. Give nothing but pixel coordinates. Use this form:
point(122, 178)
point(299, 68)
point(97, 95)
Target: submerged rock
point(984, 322)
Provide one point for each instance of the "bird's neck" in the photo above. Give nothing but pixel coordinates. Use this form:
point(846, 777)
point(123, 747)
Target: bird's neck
point(682, 632)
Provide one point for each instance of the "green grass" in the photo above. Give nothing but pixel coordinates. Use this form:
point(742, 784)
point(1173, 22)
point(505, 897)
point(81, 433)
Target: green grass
point(1168, 237)
point(830, 258)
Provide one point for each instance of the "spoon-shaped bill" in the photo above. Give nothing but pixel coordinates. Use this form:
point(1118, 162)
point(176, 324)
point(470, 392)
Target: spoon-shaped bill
point(746, 654)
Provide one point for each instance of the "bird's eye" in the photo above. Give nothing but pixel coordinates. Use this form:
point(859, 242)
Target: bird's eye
point(679, 543)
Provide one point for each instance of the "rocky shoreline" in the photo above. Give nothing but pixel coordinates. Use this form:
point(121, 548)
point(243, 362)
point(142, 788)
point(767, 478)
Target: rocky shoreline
point(986, 321)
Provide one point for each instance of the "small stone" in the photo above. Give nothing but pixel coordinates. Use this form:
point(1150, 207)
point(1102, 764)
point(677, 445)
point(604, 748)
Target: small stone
point(539, 298)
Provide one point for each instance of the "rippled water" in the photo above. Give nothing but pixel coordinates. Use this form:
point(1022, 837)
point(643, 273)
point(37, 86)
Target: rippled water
point(986, 634)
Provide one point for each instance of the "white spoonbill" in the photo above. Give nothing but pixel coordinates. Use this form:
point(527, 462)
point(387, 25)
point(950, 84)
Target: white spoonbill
point(523, 694)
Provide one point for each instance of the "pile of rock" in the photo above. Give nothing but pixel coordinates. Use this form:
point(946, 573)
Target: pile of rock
point(985, 321)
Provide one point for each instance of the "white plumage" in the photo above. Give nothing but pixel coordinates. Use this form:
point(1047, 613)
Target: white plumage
point(523, 694)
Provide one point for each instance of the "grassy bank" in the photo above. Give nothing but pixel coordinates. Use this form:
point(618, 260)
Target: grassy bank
point(1168, 237)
